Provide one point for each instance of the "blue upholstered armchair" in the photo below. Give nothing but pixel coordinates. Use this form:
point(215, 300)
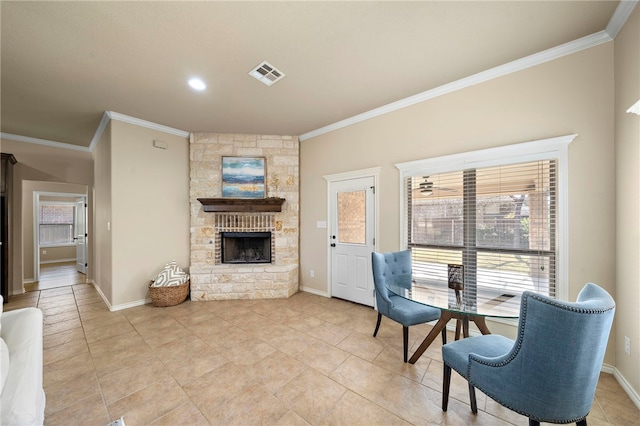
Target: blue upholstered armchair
point(395, 269)
point(551, 371)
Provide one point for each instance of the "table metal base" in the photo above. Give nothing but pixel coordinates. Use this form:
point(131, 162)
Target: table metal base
point(445, 317)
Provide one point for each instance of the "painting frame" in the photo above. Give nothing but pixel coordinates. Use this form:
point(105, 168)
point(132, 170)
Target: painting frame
point(244, 177)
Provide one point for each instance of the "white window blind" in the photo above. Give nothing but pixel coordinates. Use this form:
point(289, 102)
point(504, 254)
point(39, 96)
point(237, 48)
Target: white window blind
point(56, 223)
point(510, 226)
point(499, 222)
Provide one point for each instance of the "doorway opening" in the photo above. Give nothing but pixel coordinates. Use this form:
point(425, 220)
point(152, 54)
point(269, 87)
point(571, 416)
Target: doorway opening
point(60, 240)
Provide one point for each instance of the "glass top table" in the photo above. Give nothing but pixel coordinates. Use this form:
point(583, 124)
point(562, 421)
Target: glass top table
point(464, 306)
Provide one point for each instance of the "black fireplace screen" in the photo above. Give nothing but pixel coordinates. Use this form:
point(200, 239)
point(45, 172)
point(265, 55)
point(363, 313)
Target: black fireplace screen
point(246, 247)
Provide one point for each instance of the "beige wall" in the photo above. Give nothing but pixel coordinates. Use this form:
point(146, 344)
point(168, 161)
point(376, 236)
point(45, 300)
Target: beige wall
point(570, 95)
point(149, 208)
point(45, 164)
point(57, 254)
point(627, 126)
point(102, 215)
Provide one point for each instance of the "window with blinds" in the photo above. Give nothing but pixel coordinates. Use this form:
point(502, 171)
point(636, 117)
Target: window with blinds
point(499, 222)
point(56, 223)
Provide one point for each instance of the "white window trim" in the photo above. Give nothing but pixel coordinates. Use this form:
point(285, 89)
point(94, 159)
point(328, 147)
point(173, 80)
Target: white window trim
point(542, 149)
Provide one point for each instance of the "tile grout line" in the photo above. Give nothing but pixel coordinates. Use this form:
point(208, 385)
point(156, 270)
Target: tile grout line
point(95, 372)
point(76, 292)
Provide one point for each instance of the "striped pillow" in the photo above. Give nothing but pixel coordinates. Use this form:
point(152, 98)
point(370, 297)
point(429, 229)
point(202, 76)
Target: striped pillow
point(171, 275)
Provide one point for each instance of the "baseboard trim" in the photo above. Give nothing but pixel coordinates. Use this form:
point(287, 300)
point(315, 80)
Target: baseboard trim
point(114, 308)
point(99, 290)
point(622, 381)
point(314, 291)
point(128, 305)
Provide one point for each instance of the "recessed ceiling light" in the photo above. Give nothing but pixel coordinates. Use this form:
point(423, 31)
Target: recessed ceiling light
point(197, 84)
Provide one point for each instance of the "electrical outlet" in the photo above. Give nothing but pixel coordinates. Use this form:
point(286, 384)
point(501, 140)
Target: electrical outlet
point(627, 345)
point(44, 252)
point(312, 273)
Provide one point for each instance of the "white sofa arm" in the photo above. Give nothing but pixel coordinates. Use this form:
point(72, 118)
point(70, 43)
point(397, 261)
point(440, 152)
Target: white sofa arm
point(22, 398)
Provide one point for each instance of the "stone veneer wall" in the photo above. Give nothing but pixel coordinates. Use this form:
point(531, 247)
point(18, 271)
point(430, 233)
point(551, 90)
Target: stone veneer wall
point(211, 281)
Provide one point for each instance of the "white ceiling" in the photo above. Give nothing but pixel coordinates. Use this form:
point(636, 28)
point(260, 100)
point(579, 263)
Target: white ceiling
point(63, 64)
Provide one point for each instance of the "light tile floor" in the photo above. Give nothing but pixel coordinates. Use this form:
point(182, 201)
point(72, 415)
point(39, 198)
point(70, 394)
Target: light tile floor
point(59, 274)
point(297, 361)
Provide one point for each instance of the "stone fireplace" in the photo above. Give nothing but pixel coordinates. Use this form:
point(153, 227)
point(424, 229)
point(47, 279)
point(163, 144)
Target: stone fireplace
point(243, 248)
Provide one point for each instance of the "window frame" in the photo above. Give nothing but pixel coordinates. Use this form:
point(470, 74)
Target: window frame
point(543, 149)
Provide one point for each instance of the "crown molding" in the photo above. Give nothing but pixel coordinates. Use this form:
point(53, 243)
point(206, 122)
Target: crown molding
point(147, 124)
point(44, 142)
point(99, 131)
point(481, 77)
point(620, 16)
point(108, 115)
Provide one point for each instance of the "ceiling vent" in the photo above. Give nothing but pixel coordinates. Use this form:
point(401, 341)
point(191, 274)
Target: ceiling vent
point(266, 73)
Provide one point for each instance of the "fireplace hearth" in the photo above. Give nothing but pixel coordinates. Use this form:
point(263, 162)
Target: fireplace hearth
point(245, 247)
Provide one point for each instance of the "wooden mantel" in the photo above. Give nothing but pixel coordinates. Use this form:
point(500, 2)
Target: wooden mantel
point(272, 204)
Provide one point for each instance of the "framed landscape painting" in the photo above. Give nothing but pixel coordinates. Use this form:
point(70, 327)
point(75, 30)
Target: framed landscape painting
point(243, 177)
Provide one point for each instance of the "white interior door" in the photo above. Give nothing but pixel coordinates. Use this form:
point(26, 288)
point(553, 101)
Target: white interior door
point(80, 236)
point(352, 239)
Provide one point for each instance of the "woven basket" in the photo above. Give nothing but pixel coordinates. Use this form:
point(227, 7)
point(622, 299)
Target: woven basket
point(170, 295)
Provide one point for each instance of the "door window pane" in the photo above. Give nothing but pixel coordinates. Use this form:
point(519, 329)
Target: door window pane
point(352, 217)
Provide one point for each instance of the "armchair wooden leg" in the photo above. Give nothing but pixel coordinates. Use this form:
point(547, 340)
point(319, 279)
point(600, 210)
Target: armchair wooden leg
point(472, 399)
point(377, 325)
point(582, 422)
point(446, 384)
point(534, 423)
point(444, 336)
point(405, 341)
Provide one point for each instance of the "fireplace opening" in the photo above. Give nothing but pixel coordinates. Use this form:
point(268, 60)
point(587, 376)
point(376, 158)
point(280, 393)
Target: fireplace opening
point(246, 247)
